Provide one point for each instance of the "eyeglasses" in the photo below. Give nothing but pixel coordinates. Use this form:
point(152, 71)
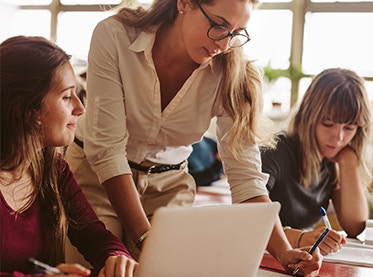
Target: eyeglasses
point(219, 32)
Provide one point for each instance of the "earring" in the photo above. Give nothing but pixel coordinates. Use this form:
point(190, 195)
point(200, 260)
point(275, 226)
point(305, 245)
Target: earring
point(181, 12)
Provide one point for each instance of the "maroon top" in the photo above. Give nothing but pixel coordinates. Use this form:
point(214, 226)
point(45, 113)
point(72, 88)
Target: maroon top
point(28, 235)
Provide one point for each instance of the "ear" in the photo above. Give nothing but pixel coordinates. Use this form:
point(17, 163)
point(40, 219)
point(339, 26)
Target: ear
point(182, 4)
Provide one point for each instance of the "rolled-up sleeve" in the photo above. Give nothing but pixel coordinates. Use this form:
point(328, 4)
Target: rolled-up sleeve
point(105, 144)
point(245, 176)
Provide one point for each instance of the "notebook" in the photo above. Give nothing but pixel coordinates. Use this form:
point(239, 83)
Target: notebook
point(208, 241)
point(357, 251)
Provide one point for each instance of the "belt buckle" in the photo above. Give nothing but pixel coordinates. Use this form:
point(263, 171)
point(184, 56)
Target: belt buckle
point(150, 169)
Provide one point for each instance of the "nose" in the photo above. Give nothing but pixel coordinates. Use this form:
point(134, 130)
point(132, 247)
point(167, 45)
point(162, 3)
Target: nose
point(223, 44)
point(79, 108)
point(338, 133)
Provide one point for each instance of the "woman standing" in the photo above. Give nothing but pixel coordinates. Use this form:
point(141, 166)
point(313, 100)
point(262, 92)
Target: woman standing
point(156, 78)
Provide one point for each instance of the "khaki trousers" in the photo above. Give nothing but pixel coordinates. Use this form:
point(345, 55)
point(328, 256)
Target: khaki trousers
point(167, 189)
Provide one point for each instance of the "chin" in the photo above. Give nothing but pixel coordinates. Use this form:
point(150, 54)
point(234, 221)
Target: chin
point(330, 157)
point(200, 58)
point(60, 142)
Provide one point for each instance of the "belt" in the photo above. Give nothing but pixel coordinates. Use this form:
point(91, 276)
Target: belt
point(155, 168)
point(79, 142)
point(147, 169)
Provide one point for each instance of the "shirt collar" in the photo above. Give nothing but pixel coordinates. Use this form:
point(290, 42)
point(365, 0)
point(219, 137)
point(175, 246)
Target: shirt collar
point(145, 41)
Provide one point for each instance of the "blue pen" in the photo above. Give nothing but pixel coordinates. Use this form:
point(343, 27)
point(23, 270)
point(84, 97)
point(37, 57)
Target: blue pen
point(314, 246)
point(325, 218)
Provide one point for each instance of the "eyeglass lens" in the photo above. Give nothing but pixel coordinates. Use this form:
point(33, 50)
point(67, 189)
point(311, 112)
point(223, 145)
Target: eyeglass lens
point(220, 32)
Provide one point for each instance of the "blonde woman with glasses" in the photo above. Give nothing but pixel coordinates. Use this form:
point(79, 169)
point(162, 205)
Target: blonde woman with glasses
point(156, 78)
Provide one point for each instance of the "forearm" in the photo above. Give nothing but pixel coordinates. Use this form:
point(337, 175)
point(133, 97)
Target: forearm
point(350, 201)
point(124, 198)
point(278, 243)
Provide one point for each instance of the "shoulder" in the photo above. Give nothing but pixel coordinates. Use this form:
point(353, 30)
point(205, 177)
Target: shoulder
point(62, 167)
point(283, 158)
point(66, 180)
point(110, 41)
point(109, 23)
point(280, 162)
point(111, 27)
point(284, 146)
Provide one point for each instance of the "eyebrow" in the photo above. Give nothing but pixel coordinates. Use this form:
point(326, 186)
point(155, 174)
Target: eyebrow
point(222, 18)
point(68, 88)
point(226, 22)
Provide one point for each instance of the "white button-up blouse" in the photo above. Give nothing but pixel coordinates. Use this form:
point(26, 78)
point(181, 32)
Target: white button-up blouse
point(124, 120)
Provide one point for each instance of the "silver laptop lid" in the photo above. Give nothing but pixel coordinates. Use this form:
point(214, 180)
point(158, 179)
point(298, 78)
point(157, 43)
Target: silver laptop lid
point(211, 241)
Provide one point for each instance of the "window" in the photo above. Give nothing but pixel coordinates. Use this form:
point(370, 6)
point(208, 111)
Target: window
point(74, 34)
point(338, 40)
point(309, 35)
point(19, 22)
point(270, 39)
point(270, 44)
point(90, 2)
point(324, 34)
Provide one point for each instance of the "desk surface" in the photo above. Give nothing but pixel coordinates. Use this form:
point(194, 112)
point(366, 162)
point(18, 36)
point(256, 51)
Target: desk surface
point(327, 269)
point(220, 194)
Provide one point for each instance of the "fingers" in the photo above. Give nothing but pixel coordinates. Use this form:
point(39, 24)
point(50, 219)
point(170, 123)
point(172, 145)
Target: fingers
point(118, 266)
point(332, 243)
point(308, 265)
point(73, 270)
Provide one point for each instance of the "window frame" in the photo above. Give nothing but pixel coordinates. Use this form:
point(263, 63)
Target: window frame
point(299, 8)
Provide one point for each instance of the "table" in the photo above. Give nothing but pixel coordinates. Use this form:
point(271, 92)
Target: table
point(327, 269)
point(219, 194)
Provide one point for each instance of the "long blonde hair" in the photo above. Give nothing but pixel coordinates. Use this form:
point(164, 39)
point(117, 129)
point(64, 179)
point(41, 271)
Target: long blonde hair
point(340, 96)
point(242, 81)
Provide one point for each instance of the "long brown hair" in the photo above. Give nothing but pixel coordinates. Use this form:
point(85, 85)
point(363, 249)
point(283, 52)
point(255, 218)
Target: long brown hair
point(28, 67)
point(241, 89)
point(338, 95)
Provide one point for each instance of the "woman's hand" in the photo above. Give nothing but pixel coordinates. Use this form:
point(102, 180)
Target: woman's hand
point(309, 265)
point(71, 270)
point(332, 242)
point(118, 266)
point(347, 156)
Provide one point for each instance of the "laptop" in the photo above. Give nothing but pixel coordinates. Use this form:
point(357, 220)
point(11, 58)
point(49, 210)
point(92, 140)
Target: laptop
point(208, 241)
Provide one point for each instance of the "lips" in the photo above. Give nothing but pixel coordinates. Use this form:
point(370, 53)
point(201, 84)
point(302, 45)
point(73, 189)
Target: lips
point(330, 151)
point(72, 125)
point(331, 147)
point(211, 53)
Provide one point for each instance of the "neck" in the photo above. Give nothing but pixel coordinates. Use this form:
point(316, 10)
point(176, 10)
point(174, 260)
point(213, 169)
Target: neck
point(169, 46)
point(16, 188)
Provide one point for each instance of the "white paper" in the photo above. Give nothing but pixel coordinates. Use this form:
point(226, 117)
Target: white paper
point(357, 244)
point(354, 255)
point(369, 223)
point(369, 232)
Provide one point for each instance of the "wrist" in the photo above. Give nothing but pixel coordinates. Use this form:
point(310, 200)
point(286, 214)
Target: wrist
point(298, 244)
point(285, 228)
point(141, 239)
